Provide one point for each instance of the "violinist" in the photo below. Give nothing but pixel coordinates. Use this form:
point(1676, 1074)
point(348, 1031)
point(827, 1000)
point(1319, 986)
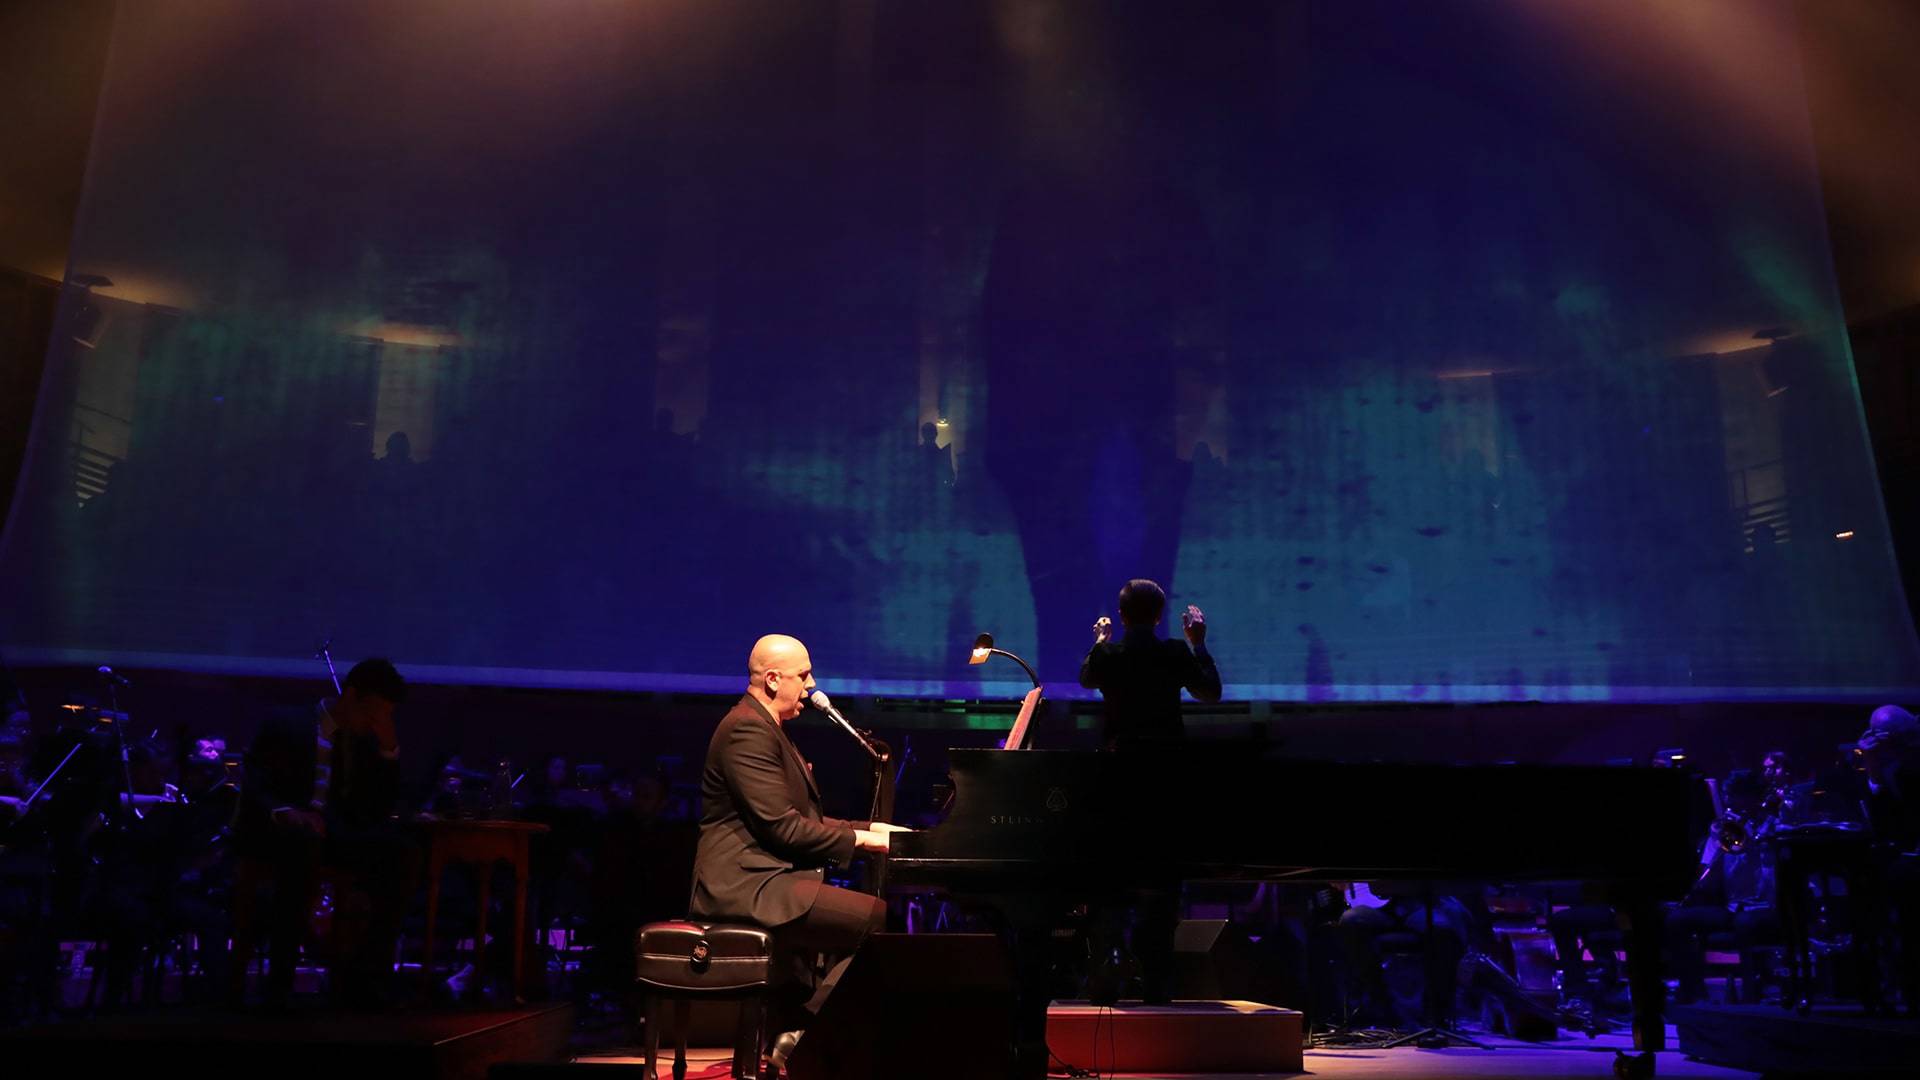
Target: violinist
point(72, 782)
point(25, 946)
point(321, 786)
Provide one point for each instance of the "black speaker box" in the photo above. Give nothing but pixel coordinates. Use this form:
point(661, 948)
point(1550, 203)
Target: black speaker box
point(1215, 960)
point(1212, 960)
point(927, 1006)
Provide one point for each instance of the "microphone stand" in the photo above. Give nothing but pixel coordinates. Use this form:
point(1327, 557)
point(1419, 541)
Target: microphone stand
point(881, 808)
point(881, 755)
point(878, 755)
point(819, 700)
point(120, 737)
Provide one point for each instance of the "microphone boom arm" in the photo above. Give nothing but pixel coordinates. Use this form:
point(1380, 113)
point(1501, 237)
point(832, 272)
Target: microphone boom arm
point(819, 700)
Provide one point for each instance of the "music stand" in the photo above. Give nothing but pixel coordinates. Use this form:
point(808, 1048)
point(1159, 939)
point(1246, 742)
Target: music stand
point(1438, 1031)
point(1018, 738)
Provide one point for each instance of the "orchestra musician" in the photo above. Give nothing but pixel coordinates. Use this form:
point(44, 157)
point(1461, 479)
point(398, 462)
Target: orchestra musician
point(765, 844)
point(15, 742)
point(321, 787)
point(1777, 776)
point(1736, 890)
point(1890, 751)
point(29, 940)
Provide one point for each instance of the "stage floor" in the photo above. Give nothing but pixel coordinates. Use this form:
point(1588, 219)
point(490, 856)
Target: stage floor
point(1575, 1057)
point(425, 1044)
point(1833, 1040)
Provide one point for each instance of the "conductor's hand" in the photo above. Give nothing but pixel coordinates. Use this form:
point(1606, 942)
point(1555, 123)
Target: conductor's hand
point(1102, 629)
point(1194, 622)
point(870, 840)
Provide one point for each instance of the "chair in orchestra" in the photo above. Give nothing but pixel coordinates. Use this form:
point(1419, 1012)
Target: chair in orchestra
point(681, 962)
point(1746, 955)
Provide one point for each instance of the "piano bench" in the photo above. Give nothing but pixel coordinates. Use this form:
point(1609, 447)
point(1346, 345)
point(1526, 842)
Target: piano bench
point(682, 961)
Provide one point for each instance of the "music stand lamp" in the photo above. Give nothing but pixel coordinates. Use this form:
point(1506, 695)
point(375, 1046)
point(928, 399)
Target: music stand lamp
point(1021, 737)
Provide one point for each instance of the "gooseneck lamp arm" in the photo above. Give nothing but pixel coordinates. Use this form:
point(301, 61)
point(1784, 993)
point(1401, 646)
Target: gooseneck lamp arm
point(983, 647)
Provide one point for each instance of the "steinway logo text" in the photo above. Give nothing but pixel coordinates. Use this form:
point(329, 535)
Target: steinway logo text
point(1056, 802)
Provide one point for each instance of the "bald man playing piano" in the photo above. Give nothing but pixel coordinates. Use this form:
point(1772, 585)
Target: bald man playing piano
point(764, 842)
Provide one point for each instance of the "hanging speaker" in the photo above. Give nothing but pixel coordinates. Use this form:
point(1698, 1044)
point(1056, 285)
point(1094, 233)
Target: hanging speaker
point(89, 322)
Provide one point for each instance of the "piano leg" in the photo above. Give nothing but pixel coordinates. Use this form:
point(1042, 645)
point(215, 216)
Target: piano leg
point(1025, 925)
point(1646, 927)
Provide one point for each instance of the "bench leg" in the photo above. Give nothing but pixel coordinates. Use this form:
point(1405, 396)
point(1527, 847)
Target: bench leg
point(749, 1039)
point(682, 1014)
point(650, 1070)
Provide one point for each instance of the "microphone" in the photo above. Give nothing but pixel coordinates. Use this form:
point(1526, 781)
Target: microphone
point(819, 700)
point(107, 674)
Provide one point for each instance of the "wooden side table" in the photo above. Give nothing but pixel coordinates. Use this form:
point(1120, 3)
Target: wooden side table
point(480, 844)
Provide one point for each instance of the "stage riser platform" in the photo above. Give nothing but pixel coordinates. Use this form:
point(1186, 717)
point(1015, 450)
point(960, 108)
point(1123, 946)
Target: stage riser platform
point(1184, 1037)
point(1181, 1037)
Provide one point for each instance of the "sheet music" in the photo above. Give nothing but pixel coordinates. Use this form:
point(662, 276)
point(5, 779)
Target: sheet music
point(1017, 738)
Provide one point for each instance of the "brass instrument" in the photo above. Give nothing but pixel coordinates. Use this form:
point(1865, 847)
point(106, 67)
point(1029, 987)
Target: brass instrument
point(1732, 830)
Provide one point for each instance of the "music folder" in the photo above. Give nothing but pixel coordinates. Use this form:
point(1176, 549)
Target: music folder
point(1017, 738)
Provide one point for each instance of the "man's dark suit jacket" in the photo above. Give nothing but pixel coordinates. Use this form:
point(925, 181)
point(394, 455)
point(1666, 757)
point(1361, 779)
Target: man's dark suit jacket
point(1139, 678)
point(280, 767)
point(764, 844)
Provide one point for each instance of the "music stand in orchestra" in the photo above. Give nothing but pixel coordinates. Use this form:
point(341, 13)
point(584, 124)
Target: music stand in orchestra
point(1021, 737)
point(1439, 989)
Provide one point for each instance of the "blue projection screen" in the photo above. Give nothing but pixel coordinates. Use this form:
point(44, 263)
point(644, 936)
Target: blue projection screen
point(1439, 351)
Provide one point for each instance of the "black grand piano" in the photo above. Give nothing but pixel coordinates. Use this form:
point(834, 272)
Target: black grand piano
point(1031, 832)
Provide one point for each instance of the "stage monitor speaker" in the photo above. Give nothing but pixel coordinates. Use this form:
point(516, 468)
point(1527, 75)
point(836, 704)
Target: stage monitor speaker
point(927, 1006)
point(1212, 960)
